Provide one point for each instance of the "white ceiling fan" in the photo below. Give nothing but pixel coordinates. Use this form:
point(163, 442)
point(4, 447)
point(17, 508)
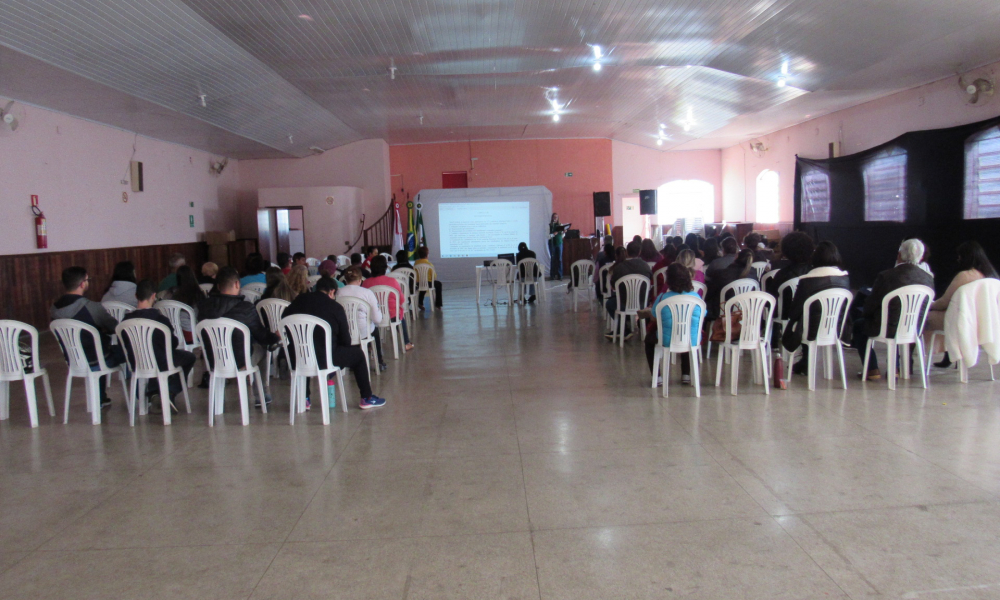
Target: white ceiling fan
point(978, 90)
point(8, 117)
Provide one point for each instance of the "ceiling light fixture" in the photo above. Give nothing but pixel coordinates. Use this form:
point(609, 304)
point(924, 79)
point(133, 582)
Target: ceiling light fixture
point(290, 139)
point(305, 17)
point(597, 66)
point(782, 82)
point(202, 99)
point(598, 52)
point(555, 118)
point(659, 142)
point(392, 68)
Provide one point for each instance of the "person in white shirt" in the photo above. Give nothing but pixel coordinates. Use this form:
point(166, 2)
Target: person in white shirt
point(366, 321)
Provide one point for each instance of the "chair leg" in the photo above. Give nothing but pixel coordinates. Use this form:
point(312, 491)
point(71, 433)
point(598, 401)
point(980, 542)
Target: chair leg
point(48, 394)
point(395, 342)
point(324, 389)
point(130, 400)
point(963, 371)
point(342, 390)
point(211, 399)
point(29, 392)
point(718, 365)
point(696, 371)
point(260, 390)
point(165, 398)
point(69, 387)
point(241, 383)
point(657, 356)
point(734, 357)
point(5, 400)
point(891, 356)
point(294, 400)
point(184, 389)
point(665, 358)
point(843, 370)
point(622, 321)
point(864, 366)
point(94, 398)
point(811, 365)
point(787, 357)
point(920, 355)
point(763, 367)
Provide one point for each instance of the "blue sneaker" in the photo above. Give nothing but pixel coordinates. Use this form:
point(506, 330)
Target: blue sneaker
point(371, 402)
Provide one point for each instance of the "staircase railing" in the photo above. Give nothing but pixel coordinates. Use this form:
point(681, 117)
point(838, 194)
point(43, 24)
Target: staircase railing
point(380, 233)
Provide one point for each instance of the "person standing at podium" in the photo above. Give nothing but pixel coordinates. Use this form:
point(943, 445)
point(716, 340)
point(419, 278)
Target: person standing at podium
point(555, 247)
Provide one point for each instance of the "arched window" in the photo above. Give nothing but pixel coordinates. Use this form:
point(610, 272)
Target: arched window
point(982, 175)
point(691, 200)
point(885, 186)
point(815, 196)
point(767, 197)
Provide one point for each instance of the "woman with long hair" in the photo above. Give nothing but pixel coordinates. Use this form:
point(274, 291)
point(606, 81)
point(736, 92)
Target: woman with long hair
point(298, 280)
point(122, 287)
point(678, 283)
point(189, 292)
point(973, 265)
point(648, 253)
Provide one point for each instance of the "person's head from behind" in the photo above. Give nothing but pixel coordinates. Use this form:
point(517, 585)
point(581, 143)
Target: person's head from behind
point(752, 240)
point(298, 279)
point(911, 252)
point(633, 248)
point(423, 252)
point(284, 260)
point(176, 260)
point(145, 293)
point(620, 254)
point(636, 238)
point(797, 247)
point(227, 282)
point(352, 275)
point(522, 247)
point(972, 256)
point(124, 271)
point(379, 266)
point(273, 276)
point(729, 246)
point(299, 259)
point(186, 277)
point(75, 280)
point(327, 286)
point(254, 264)
point(679, 278)
point(686, 258)
point(356, 258)
point(826, 255)
point(711, 249)
point(402, 257)
point(327, 267)
point(210, 269)
point(693, 242)
point(609, 250)
point(670, 252)
point(647, 250)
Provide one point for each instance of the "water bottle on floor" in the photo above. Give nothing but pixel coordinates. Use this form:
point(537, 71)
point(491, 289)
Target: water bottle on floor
point(331, 391)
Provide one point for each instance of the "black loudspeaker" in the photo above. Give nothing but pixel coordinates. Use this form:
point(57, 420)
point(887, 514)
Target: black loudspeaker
point(647, 202)
point(602, 204)
point(572, 234)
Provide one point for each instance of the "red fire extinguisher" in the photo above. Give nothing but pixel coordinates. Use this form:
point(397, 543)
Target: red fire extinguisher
point(41, 235)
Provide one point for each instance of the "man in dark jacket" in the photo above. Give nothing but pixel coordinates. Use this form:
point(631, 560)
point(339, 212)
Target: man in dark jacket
point(523, 253)
point(228, 304)
point(633, 265)
point(321, 304)
point(73, 305)
point(906, 272)
point(145, 293)
point(796, 248)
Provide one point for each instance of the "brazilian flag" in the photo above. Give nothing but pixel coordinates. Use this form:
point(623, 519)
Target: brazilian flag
point(411, 231)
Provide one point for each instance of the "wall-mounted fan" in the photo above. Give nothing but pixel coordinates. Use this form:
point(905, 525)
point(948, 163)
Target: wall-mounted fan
point(758, 148)
point(978, 90)
point(8, 118)
point(216, 167)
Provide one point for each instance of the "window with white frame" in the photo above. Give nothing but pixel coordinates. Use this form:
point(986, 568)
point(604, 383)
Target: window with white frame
point(885, 186)
point(767, 197)
point(692, 200)
point(982, 175)
point(815, 196)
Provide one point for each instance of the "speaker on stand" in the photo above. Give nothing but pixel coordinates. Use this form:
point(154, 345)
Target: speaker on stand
point(602, 209)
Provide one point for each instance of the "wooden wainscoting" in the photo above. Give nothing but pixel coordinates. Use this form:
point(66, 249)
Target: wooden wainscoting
point(29, 283)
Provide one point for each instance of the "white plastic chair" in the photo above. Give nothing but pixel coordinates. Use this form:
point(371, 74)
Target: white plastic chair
point(313, 279)
point(139, 334)
point(13, 368)
point(503, 273)
point(700, 288)
point(767, 277)
point(270, 312)
point(833, 314)
point(604, 284)
point(740, 286)
point(361, 334)
point(343, 261)
point(298, 331)
point(758, 268)
point(177, 313)
point(69, 333)
point(252, 292)
point(914, 303)
point(755, 331)
point(659, 278)
point(404, 277)
point(682, 310)
point(963, 367)
point(386, 297)
point(220, 338)
point(425, 283)
point(581, 275)
point(635, 289)
point(786, 289)
point(118, 310)
point(206, 287)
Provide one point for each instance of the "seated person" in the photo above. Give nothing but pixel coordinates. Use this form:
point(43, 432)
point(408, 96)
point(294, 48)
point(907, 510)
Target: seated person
point(678, 283)
point(366, 322)
point(379, 268)
point(229, 304)
point(604, 257)
point(633, 265)
point(74, 305)
point(254, 270)
point(737, 269)
point(145, 293)
point(321, 304)
point(372, 253)
point(208, 272)
point(357, 260)
point(284, 263)
point(906, 272)
point(299, 260)
point(826, 274)
point(422, 253)
point(176, 261)
point(523, 253)
point(329, 268)
point(122, 288)
point(796, 250)
point(188, 292)
point(729, 249)
point(403, 262)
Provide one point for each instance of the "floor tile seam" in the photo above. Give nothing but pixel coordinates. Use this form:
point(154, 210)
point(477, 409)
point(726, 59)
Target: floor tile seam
point(652, 523)
point(816, 562)
point(605, 450)
point(27, 555)
point(889, 507)
point(527, 511)
point(410, 537)
point(166, 547)
point(746, 468)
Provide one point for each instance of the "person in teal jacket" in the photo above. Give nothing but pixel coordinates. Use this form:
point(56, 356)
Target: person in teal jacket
point(678, 283)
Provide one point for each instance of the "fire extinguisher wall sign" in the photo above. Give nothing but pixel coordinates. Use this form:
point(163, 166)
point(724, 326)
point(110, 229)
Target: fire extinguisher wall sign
point(41, 235)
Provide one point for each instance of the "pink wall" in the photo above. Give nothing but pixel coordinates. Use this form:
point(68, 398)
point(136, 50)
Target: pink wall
point(935, 105)
point(76, 167)
point(636, 167)
point(511, 163)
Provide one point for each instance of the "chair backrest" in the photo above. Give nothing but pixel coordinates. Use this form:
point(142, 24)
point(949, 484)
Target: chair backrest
point(11, 362)
point(387, 296)
point(633, 289)
point(403, 279)
point(220, 336)
point(503, 271)
point(740, 286)
point(271, 311)
point(701, 288)
point(343, 261)
point(251, 296)
point(758, 268)
point(69, 334)
point(682, 311)
point(139, 334)
point(356, 324)
point(582, 273)
point(914, 303)
point(529, 271)
point(118, 310)
point(298, 332)
point(173, 310)
point(786, 289)
point(757, 308)
point(206, 287)
point(313, 279)
point(423, 276)
point(833, 313)
point(767, 277)
point(255, 287)
point(604, 279)
point(659, 279)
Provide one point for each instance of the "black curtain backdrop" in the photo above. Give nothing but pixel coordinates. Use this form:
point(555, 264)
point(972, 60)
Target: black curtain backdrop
point(935, 186)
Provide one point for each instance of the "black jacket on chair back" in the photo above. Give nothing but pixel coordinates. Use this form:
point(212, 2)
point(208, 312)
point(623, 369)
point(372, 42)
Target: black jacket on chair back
point(887, 281)
point(792, 336)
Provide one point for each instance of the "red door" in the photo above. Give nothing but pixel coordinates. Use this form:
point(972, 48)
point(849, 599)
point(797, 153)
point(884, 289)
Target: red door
point(454, 179)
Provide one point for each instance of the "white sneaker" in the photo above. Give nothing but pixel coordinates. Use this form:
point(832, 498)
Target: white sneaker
point(686, 379)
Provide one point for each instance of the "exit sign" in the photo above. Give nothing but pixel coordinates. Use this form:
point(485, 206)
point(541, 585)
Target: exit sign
point(569, 174)
point(191, 220)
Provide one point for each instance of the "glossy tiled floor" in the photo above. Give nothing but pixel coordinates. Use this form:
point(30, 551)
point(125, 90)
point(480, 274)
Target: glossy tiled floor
point(520, 456)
